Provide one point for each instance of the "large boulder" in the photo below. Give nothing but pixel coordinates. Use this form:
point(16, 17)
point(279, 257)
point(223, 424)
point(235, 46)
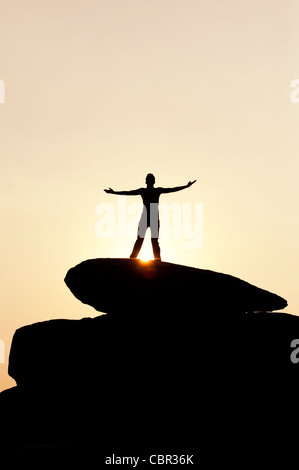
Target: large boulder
point(137, 381)
point(122, 285)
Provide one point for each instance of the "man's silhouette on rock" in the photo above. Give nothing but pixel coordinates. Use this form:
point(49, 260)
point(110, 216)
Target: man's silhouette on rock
point(150, 214)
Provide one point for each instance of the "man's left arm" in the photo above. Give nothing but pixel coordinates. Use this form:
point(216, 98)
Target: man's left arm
point(176, 188)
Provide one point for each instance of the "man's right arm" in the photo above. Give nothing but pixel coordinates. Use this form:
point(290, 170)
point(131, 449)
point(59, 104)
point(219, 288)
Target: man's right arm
point(133, 192)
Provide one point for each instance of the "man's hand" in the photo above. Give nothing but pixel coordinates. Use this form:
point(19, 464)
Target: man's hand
point(190, 183)
point(109, 191)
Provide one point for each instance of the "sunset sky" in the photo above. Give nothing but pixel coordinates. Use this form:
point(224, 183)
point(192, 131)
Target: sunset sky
point(100, 92)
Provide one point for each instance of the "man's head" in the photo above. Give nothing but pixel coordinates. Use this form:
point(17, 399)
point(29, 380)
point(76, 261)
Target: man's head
point(150, 179)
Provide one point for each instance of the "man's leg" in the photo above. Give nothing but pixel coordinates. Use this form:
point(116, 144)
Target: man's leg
point(156, 248)
point(137, 247)
point(140, 235)
point(154, 240)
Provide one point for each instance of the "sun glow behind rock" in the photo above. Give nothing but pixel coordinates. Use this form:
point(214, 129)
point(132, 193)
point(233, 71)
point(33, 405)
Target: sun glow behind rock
point(146, 253)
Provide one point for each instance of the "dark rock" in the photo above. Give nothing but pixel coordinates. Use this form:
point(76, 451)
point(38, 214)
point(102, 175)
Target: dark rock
point(209, 384)
point(150, 383)
point(115, 285)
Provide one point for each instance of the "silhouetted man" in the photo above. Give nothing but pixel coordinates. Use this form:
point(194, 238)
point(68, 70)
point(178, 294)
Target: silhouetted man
point(150, 214)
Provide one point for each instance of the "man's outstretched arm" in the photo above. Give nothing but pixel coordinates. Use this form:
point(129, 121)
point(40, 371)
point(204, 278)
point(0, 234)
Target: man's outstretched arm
point(133, 192)
point(176, 188)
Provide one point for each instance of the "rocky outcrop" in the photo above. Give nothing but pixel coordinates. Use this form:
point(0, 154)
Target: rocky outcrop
point(115, 285)
point(142, 379)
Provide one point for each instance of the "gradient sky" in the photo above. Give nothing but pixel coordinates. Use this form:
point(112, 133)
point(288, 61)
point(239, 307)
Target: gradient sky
point(100, 92)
